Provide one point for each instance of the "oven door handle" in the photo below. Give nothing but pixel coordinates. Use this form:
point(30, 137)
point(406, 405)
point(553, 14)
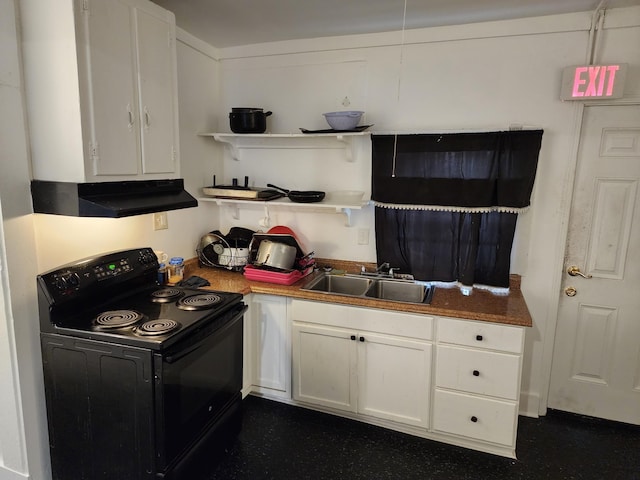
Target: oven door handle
point(172, 358)
point(184, 353)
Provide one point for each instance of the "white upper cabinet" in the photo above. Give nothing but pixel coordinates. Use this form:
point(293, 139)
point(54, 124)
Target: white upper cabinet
point(112, 133)
point(102, 97)
point(157, 87)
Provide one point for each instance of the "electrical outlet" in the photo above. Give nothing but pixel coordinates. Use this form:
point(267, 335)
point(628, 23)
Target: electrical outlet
point(160, 221)
point(363, 236)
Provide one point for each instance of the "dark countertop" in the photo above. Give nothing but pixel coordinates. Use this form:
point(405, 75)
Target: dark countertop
point(449, 302)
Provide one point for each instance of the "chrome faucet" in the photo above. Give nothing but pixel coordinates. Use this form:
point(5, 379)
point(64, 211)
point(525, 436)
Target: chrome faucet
point(381, 268)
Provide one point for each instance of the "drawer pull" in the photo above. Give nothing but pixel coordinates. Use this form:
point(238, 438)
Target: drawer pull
point(362, 339)
point(474, 419)
point(476, 373)
point(479, 338)
point(353, 337)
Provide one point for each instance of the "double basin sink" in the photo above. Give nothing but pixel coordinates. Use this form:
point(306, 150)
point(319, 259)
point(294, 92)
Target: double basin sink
point(375, 288)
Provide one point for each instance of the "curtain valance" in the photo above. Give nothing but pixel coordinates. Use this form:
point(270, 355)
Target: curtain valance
point(475, 172)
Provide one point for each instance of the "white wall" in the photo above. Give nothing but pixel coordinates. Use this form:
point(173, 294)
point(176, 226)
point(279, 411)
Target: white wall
point(476, 77)
point(24, 451)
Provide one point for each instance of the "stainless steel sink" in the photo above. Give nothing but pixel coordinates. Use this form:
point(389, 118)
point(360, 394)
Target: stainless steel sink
point(400, 291)
point(339, 284)
point(367, 287)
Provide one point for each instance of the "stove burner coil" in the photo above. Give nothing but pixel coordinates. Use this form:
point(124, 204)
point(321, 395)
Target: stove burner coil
point(199, 301)
point(165, 295)
point(156, 327)
point(117, 319)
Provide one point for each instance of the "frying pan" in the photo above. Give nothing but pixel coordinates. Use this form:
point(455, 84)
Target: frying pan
point(304, 196)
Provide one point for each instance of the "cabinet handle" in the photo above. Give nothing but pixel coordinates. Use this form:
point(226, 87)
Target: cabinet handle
point(362, 339)
point(476, 373)
point(353, 337)
point(474, 419)
point(479, 338)
point(147, 118)
point(131, 118)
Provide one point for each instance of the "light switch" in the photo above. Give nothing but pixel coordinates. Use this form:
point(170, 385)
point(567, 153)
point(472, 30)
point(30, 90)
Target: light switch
point(160, 221)
point(363, 236)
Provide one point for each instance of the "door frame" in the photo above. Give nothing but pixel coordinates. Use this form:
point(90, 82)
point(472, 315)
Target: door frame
point(565, 204)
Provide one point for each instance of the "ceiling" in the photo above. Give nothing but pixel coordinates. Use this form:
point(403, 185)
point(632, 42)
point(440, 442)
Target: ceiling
point(229, 23)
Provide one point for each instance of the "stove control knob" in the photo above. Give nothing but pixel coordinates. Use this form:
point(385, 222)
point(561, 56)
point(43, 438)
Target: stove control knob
point(73, 280)
point(61, 283)
point(145, 258)
point(66, 281)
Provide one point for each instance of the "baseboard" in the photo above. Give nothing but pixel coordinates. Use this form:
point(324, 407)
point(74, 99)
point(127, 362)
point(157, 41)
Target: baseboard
point(529, 404)
point(7, 474)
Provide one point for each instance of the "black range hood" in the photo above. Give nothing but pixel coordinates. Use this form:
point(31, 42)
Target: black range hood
point(110, 199)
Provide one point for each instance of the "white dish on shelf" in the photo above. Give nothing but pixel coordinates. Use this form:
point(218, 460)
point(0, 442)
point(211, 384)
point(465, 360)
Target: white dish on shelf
point(346, 196)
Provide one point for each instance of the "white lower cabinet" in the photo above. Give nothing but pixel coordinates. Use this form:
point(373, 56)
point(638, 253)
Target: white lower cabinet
point(324, 361)
point(270, 341)
point(477, 383)
point(479, 418)
point(359, 367)
point(247, 348)
point(394, 378)
point(447, 379)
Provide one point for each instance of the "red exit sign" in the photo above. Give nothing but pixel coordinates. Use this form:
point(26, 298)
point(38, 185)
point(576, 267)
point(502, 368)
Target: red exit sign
point(589, 82)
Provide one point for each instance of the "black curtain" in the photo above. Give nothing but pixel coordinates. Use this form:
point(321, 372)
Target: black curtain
point(447, 204)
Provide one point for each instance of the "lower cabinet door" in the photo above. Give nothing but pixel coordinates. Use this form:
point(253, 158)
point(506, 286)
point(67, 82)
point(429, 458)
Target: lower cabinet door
point(394, 378)
point(323, 366)
point(479, 418)
point(271, 337)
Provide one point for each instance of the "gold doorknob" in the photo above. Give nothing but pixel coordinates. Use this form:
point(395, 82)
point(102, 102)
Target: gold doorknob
point(575, 271)
point(570, 291)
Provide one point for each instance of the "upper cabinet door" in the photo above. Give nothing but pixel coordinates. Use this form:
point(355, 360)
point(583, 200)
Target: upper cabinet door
point(157, 90)
point(88, 106)
point(113, 105)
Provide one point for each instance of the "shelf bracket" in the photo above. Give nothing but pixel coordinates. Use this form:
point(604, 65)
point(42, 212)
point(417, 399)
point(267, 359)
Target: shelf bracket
point(349, 147)
point(265, 222)
point(347, 214)
point(231, 144)
point(235, 211)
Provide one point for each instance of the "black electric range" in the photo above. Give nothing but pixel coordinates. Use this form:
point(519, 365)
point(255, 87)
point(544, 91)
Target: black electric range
point(140, 379)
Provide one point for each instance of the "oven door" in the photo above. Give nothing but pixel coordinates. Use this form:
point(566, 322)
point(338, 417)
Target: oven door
point(196, 382)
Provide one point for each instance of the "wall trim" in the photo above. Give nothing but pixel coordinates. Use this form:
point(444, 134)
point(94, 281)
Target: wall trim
point(8, 474)
point(530, 405)
point(622, 17)
point(571, 22)
point(194, 42)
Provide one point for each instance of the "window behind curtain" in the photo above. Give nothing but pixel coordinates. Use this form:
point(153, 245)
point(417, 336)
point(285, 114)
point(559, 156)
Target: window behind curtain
point(447, 204)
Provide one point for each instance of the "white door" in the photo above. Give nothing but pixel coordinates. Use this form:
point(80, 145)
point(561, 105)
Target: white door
point(596, 359)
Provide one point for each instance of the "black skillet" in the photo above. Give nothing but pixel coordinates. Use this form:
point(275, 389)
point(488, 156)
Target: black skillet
point(304, 196)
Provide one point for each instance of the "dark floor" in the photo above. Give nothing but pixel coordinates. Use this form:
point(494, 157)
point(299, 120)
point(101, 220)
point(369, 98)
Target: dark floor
point(280, 441)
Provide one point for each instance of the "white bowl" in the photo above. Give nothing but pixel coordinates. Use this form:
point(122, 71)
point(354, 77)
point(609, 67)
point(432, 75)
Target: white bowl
point(347, 120)
point(348, 197)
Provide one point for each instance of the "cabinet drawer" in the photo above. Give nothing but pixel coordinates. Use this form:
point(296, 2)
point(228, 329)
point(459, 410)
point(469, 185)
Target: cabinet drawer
point(481, 334)
point(360, 318)
point(478, 371)
point(475, 417)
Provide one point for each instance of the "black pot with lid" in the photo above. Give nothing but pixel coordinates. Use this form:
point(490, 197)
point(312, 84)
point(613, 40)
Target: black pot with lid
point(248, 120)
